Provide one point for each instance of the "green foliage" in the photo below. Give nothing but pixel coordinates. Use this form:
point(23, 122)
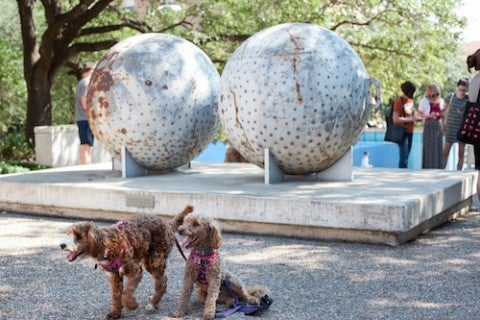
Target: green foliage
point(221, 136)
point(15, 154)
point(18, 167)
point(397, 40)
point(13, 91)
point(6, 167)
point(63, 98)
point(14, 146)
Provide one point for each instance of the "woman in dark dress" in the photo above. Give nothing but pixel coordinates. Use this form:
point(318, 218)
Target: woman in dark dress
point(431, 109)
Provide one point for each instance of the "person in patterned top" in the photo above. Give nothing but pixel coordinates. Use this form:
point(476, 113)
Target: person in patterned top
point(454, 108)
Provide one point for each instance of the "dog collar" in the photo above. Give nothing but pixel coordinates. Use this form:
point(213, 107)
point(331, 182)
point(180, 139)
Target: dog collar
point(202, 259)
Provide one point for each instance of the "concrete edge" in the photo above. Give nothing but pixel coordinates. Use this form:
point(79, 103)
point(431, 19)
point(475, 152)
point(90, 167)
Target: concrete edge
point(272, 229)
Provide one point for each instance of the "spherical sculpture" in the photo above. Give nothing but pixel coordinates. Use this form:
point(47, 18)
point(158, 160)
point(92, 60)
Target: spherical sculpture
point(157, 95)
point(299, 90)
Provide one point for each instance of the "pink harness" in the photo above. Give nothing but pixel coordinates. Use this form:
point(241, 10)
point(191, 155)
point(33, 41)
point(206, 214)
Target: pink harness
point(202, 263)
point(116, 263)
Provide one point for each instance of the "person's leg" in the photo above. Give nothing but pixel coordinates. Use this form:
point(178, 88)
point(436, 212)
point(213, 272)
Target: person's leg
point(476, 152)
point(403, 149)
point(85, 157)
point(86, 141)
point(461, 156)
point(446, 151)
point(409, 143)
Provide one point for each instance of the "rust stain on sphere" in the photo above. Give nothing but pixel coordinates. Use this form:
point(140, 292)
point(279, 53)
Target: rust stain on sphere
point(299, 90)
point(156, 94)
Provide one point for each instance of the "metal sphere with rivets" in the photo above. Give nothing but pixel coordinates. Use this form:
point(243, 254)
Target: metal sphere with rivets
point(299, 90)
point(157, 95)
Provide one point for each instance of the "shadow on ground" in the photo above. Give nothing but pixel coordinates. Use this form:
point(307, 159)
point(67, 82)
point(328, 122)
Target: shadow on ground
point(433, 277)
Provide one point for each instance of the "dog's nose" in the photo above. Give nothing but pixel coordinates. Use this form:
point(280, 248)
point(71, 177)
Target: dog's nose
point(63, 246)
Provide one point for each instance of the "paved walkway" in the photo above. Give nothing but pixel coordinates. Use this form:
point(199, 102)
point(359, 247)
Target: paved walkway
point(436, 276)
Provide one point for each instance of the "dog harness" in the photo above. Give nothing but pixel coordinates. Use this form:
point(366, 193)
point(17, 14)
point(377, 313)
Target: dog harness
point(202, 259)
point(116, 263)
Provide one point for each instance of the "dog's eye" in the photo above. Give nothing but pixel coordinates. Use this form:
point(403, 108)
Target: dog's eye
point(195, 224)
point(78, 237)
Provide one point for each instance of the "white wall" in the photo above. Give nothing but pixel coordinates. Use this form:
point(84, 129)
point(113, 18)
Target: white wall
point(58, 146)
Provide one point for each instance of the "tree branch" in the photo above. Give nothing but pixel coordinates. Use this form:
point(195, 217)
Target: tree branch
point(128, 23)
point(357, 23)
point(73, 27)
point(52, 10)
point(184, 22)
point(73, 50)
point(369, 47)
point(235, 37)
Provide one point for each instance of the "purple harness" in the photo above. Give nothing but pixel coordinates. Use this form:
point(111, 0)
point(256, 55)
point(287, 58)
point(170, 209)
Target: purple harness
point(242, 306)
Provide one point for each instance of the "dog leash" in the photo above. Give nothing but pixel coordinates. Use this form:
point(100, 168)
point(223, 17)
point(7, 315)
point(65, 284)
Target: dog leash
point(247, 308)
point(179, 247)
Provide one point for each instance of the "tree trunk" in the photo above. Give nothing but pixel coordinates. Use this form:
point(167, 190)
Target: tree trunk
point(39, 108)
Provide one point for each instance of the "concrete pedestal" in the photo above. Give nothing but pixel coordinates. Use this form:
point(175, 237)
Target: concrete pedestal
point(58, 146)
point(387, 206)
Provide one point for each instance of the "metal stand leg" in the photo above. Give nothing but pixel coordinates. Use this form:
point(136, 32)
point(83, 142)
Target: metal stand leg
point(130, 167)
point(273, 174)
point(342, 170)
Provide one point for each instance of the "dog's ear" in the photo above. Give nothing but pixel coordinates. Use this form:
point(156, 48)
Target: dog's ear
point(92, 231)
point(215, 236)
point(81, 228)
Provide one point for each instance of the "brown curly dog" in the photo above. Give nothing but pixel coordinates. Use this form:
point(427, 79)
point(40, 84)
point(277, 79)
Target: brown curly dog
point(232, 155)
point(121, 250)
point(204, 268)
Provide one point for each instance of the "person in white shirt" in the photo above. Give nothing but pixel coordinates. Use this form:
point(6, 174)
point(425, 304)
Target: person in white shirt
point(366, 161)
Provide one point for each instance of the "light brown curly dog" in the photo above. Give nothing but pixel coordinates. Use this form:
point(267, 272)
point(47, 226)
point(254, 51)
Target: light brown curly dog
point(121, 250)
point(205, 269)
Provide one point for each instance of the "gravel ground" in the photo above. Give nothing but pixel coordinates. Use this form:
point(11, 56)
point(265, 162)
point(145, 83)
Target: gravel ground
point(434, 277)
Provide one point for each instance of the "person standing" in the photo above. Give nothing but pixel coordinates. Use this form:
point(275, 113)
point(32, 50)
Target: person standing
point(454, 108)
point(84, 132)
point(473, 61)
point(404, 114)
point(431, 108)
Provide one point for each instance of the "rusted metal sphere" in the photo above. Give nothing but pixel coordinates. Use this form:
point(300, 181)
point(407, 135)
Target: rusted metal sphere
point(157, 95)
point(299, 90)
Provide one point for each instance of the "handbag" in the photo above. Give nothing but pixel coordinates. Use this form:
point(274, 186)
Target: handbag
point(469, 131)
point(394, 133)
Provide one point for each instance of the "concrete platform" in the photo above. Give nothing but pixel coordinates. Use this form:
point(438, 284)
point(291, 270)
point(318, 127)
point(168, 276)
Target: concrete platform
point(385, 206)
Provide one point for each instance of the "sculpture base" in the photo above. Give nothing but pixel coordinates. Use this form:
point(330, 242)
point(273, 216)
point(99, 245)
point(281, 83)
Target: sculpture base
point(397, 207)
point(342, 170)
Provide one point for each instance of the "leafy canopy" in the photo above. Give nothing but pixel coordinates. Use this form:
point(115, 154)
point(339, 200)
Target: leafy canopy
point(397, 40)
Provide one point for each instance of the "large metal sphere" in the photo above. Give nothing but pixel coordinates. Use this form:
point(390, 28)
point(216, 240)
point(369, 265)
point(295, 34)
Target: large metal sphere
point(299, 90)
point(155, 94)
